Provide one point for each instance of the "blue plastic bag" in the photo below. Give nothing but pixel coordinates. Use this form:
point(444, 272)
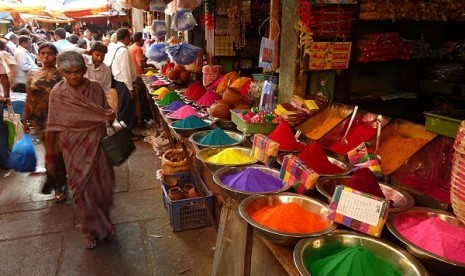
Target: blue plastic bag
point(23, 156)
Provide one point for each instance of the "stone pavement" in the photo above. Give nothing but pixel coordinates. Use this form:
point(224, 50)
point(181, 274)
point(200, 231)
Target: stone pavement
point(39, 237)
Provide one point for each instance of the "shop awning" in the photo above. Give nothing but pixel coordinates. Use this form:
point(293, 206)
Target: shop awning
point(24, 6)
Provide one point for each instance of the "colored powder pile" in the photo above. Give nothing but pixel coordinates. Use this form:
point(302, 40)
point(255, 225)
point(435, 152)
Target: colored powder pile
point(216, 137)
point(195, 93)
point(208, 98)
point(159, 91)
point(253, 180)
point(365, 181)
point(323, 128)
point(435, 188)
point(190, 122)
point(230, 157)
point(169, 98)
point(315, 157)
point(174, 106)
point(358, 133)
point(352, 261)
point(184, 112)
point(284, 135)
point(395, 149)
point(434, 235)
point(215, 84)
point(289, 218)
point(190, 89)
point(158, 83)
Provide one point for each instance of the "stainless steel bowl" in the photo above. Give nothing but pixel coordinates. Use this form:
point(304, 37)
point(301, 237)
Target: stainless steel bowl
point(238, 194)
point(395, 256)
point(433, 262)
point(205, 153)
point(401, 200)
point(224, 124)
point(256, 202)
point(345, 166)
point(239, 137)
point(186, 132)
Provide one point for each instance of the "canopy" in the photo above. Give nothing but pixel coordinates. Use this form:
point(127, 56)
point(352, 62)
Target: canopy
point(24, 6)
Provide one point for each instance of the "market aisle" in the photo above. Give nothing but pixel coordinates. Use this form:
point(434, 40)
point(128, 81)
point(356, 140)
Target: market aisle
point(38, 237)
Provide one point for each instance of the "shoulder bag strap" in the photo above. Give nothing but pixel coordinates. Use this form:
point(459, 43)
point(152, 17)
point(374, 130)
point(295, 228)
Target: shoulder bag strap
point(115, 55)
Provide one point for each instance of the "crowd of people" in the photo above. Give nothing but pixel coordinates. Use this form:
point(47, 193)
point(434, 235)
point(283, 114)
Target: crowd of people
point(67, 79)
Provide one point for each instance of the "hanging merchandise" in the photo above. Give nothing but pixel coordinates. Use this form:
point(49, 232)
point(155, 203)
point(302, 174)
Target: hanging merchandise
point(183, 20)
point(236, 27)
point(189, 4)
point(208, 20)
point(159, 27)
point(157, 52)
point(183, 53)
point(157, 5)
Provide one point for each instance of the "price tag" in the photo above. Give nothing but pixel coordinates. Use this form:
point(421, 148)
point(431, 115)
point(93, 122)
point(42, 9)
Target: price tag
point(360, 211)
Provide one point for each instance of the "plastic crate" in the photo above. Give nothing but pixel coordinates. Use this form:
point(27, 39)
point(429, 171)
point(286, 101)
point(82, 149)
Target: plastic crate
point(445, 122)
point(188, 213)
point(252, 128)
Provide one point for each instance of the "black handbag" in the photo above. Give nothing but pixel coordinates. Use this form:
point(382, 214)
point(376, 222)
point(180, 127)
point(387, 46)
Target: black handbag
point(118, 146)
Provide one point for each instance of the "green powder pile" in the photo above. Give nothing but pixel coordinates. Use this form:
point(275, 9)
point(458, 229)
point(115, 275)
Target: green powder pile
point(190, 122)
point(169, 98)
point(230, 157)
point(353, 261)
point(216, 137)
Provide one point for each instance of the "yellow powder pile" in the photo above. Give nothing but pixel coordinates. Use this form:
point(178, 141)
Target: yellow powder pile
point(395, 150)
point(229, 156)
point(323, 128)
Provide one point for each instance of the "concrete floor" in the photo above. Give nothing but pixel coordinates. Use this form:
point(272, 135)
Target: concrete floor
point(39, 237)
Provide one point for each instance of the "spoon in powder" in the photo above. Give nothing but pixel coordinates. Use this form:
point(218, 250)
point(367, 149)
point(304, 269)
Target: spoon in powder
point(344, 138)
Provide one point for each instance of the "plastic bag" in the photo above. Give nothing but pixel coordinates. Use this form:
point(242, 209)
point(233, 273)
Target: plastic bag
point(183, 53)
point(23, 156)
point(157, 5)
point(157, 52)
point(159, 27)
point(183, 20)
point(14, 125)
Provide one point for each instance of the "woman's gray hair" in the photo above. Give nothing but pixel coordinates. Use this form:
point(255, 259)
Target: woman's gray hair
point(68, 59)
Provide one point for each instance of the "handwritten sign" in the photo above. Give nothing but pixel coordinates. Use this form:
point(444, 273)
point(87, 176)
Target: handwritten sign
point(360, 211)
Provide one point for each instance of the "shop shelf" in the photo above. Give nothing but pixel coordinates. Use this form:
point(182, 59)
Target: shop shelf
point(444, 122)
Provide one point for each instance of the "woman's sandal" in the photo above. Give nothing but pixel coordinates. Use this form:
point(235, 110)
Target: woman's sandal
point(90, 242)
point(60, 196)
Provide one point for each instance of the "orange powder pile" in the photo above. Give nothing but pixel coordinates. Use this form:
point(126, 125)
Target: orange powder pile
point(395, 149)
point(289, 218)
point(321, 130)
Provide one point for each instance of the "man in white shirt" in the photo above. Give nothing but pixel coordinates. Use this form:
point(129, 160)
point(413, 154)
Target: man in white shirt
point(88, 38)
point(12, 41)
point(124, 74)
point(9, 61)
point(111, 49)
point(25, 61)
point(96, 69)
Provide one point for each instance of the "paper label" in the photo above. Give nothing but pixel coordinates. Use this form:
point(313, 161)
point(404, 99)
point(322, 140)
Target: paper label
point(359, 207)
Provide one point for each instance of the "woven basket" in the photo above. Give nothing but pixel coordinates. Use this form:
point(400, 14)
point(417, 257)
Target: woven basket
point(175, 161)
point(457, 185)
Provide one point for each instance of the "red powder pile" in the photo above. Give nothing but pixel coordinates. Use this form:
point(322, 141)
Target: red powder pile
point(433, 235)
point(195, 91)
point(208, 98)
point(284, 135)
point(358, 133)
point(315, 157)
point(364, 180)
point(289, 218)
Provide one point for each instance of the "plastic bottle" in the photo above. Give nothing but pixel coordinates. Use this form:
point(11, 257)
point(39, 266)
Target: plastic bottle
point(267, 100)
point(324, 92)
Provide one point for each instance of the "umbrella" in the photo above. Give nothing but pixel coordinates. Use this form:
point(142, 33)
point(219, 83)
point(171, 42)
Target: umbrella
point(183, 54)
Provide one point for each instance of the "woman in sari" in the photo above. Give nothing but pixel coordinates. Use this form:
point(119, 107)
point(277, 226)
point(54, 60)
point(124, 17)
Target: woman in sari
point(38, 86)
point(78, 113)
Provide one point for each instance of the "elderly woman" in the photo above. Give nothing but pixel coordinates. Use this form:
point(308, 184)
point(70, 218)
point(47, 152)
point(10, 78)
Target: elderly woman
point(78, 113)
point(38, 86)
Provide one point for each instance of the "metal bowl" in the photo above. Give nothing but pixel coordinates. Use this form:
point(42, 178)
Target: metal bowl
point(345, 166)
point(239, 137)
point(205, 153)
point(401, 200)
point(256, 202)
point(224, 124)
point(186, 132)
point(433, 262)
point(398, 258)
point(239, 195)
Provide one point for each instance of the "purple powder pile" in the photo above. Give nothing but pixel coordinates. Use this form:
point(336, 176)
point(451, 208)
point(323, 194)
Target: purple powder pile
point(174, 106)
point(253, 180)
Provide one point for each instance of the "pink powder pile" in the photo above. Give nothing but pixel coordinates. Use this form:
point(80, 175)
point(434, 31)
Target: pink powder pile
point(208, 98)
point(433, 235)
point(184, 112)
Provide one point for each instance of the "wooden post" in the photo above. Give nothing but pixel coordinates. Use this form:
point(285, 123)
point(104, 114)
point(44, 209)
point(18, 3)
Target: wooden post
point(275, 31)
